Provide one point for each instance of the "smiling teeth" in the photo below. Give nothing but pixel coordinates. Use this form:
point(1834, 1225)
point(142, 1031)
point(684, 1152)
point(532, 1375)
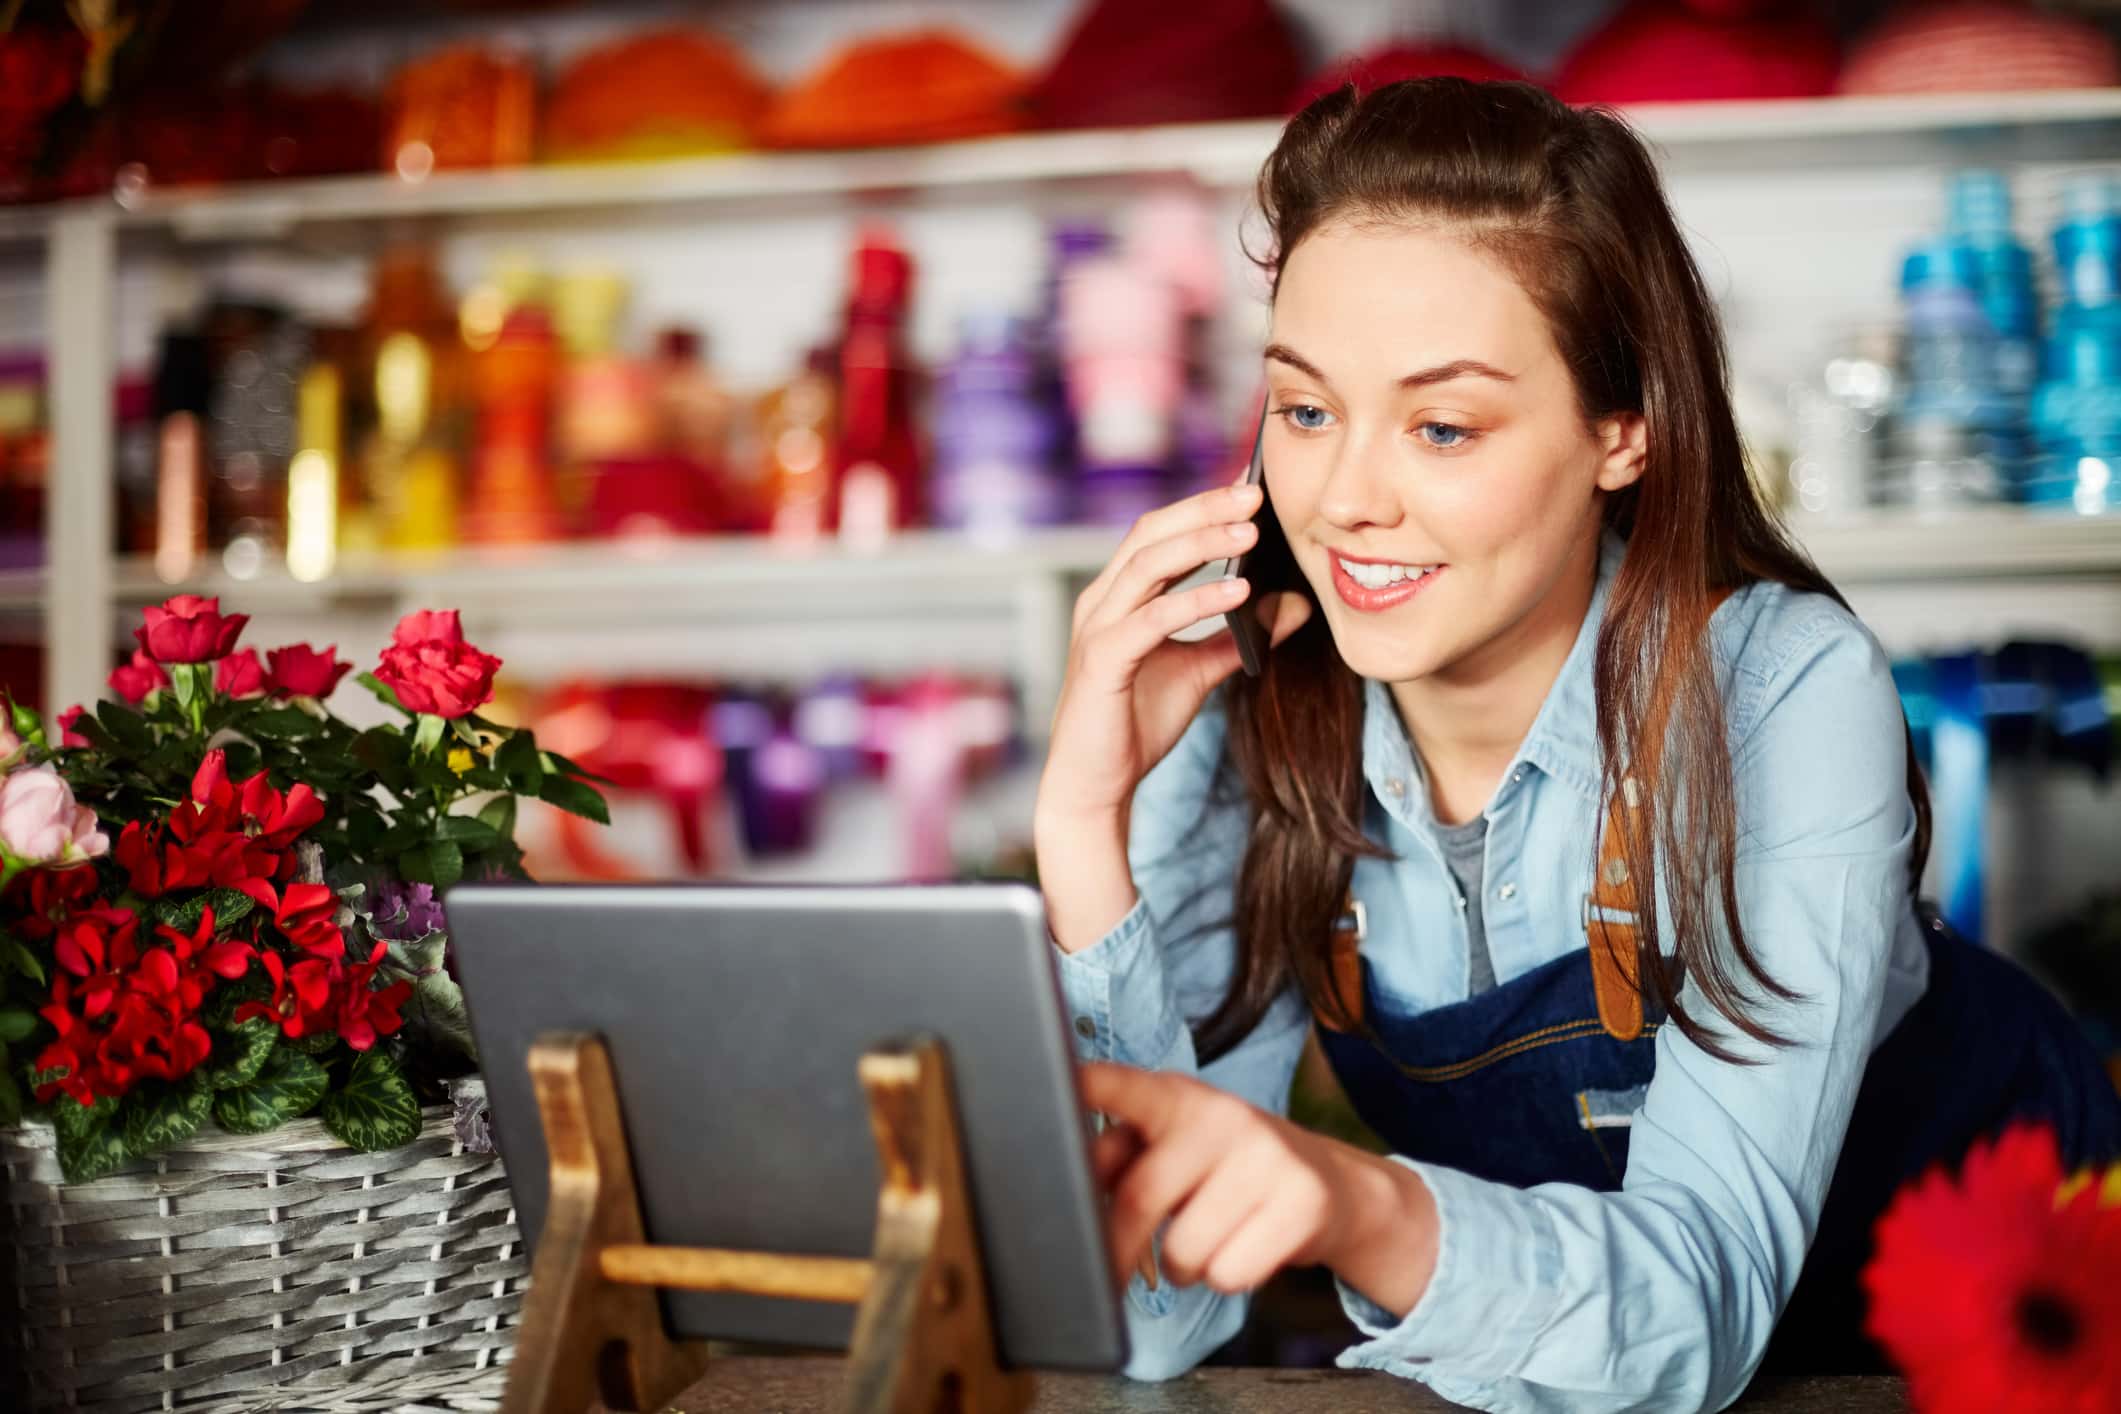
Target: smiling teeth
point(1382, 576)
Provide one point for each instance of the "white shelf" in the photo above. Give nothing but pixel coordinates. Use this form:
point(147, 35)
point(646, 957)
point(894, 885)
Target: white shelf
point(719, 574)
point(690, 576)
point(1998, 543)
point(1219, 154)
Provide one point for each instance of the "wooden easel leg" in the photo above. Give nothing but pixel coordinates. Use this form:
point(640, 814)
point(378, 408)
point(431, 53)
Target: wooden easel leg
point(582, 1337)
point(924, 1340)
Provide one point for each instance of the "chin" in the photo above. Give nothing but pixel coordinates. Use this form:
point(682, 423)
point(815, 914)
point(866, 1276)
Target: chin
point(1375, 650)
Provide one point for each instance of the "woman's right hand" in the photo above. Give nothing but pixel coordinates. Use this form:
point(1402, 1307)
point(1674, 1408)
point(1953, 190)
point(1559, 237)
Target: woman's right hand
point(1130, 691)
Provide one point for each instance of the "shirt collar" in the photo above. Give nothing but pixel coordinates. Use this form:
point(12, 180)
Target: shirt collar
point(1562, 741)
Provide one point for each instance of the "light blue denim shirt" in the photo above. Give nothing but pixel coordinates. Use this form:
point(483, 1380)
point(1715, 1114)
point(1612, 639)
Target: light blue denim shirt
point(1661, 1295)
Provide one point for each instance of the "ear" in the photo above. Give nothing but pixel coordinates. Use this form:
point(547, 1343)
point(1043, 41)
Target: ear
point(1625, 439)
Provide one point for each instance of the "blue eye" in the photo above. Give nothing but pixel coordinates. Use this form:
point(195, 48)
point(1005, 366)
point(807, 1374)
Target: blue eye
point(1305, 417)
point(1445, 434)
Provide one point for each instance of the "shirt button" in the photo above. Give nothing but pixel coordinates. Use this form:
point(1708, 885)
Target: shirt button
point(1507, 891)
point(1086, 1028)
point(1518, 774)
point(1395, 786)
point(1461, 901)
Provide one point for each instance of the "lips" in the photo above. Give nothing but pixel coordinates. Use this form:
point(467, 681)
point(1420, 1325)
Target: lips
point(1364, 599)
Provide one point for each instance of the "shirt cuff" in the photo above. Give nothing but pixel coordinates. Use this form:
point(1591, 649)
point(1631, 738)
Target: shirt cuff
point(1496, 1285)
point(1119, 1005)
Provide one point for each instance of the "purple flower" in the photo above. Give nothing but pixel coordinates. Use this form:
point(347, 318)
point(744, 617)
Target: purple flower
point(405, 913)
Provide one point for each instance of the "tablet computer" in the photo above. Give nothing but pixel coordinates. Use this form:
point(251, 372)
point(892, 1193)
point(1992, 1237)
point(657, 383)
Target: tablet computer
point(735, 1015)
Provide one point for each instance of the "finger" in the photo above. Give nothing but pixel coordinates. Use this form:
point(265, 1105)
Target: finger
point(1203, 663)
point(1153, 1187)
point(1112, 1151)
point(1224, 503)
point(1131, 1095)
point(1155, 567)
point(1116, 651)
point(1208, 1219)
point(1257, 1247)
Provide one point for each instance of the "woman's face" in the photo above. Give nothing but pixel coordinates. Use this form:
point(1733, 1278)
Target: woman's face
point(1425, 453)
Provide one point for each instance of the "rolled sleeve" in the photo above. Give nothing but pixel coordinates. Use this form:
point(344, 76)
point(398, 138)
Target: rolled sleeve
point(1495, 1286)
point(1120, 1005)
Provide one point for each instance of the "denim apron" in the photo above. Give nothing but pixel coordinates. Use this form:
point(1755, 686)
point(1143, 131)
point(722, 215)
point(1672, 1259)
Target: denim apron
point(1535, 1081)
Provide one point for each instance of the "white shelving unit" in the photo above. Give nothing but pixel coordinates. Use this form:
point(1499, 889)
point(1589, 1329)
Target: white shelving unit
point(1012, 600)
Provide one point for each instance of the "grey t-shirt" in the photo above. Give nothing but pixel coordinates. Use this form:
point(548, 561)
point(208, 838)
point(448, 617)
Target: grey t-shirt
point(1463, 847)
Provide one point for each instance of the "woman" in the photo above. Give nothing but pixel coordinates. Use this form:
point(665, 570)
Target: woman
point(1539, 640)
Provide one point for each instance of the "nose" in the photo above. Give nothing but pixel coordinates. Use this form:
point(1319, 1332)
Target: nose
point(1358, 491)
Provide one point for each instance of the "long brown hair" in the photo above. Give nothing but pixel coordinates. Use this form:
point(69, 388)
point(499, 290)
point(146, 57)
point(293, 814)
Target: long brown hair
point(1569, 201)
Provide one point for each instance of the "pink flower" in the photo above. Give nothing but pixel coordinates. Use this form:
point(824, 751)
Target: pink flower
point(240, 674)
point(67, 735)
point(138, 678)
point(186, 628)
point(41, 824)
point(432, 669)
point(299, 670)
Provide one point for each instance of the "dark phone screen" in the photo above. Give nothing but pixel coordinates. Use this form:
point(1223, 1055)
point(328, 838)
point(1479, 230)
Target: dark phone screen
point(1270, 565)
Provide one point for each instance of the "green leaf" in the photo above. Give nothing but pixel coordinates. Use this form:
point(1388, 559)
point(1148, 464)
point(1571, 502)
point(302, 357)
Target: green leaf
point(464, 732)
point(427, 735)
point(284, 724)
point(186, 677)
point(183, 913)
point(316, 1043)
point(575, 797)
point(382, 750)
point(126, 727)
point(15, 1024)
point(500, 816)
point(517, 758)
point(376, 1109)
point(447, 857)
point(474, 834)
point(91, 1140)
point(243, 760)
point(24, 960)
point(288, 1086)
point(220, 1009)
point(387, 696)
point(96, 734)
point(240, 1053)
point(575, 768)
point(159, 1117)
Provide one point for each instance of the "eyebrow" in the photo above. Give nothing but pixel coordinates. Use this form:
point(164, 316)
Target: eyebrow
point(1441, 373)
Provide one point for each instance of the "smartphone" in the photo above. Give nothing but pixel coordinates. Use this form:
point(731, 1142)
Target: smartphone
point(1268, 564)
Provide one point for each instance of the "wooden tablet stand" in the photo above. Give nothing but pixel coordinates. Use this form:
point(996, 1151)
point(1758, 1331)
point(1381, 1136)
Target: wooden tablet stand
point(592, 1327)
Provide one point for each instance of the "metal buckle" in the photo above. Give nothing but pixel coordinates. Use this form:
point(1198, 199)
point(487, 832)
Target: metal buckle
point(1361, 916)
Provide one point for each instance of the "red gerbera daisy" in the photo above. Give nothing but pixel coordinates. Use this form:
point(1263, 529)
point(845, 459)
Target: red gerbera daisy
point(1997, 1291)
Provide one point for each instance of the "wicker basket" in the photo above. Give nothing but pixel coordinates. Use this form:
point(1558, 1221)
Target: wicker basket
point(241, 1274)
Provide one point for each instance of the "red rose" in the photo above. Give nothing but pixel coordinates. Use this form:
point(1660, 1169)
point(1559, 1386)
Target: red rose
point(188, 629)
point(299, 670)
point(240, 675)
point(67, 735)
point(137, 678)
point(432, 669)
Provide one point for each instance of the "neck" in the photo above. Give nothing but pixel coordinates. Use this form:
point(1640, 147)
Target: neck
point(1467, 720)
